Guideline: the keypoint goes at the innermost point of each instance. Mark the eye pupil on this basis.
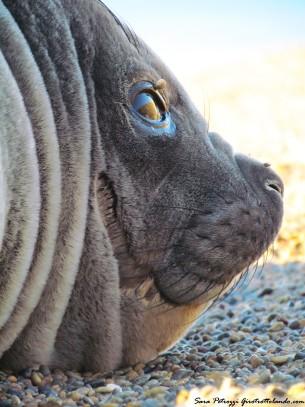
(149, 108)
(146, 106)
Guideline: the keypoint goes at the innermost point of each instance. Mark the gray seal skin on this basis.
(115, 233)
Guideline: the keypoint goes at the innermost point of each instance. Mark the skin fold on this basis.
(115, 234)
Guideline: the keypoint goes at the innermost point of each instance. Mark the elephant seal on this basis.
(121, 217)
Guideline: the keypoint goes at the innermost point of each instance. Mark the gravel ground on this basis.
(256, 336)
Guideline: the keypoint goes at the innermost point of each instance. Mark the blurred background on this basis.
(243, 64)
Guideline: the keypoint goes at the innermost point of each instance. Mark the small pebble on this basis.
(299, 355)
(266, 291)
(277, 326)
(132, 375)
(104, 389)
(109, 388)
(236, 338)
(155, 391)
(15, 401)
(295, 325)
(97, 383)
(256, 361)
(280, 360)
(36, 378)
(260, 378)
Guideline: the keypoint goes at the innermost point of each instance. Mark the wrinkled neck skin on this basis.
(152, 327)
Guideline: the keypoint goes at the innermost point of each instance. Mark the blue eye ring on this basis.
(142, 91)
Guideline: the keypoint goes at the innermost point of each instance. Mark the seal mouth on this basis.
(192, 291)
(200, 293)
(218, 247)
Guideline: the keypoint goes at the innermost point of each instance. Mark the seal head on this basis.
(193, 214)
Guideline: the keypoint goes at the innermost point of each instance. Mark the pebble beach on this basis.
(252, 342)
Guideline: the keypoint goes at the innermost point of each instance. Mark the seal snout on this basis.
(260, 177)
(228, 233)
(217, 246)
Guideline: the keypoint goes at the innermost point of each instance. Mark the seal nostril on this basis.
(274, 185)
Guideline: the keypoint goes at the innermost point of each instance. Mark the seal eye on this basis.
(147, 105)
